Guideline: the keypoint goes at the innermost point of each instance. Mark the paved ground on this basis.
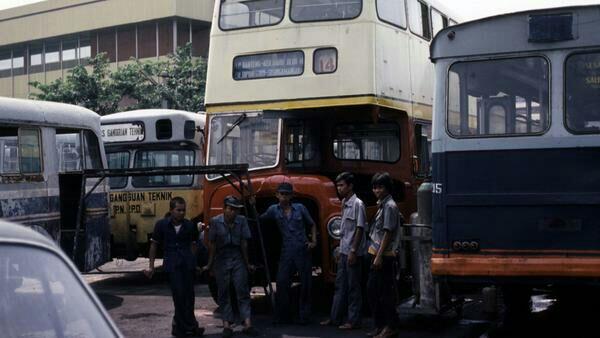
(143, 308)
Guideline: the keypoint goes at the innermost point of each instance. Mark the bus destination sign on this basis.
(260, 66)
(123, 132)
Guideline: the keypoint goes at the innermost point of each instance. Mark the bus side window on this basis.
(9, 153)
(68, 146)
(30, 154)
(93, 159)
(422, 167)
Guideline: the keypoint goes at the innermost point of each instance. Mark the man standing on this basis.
(292, 219)
(178, 237)
(347, 300)
(383, 242)
(228, 247)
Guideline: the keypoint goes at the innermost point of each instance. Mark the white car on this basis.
(42, 293)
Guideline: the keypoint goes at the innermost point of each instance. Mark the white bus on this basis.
(305, 89)
(38, 141)
(143, 139)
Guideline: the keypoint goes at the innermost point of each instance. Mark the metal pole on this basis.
(254, 215)
(80, 211)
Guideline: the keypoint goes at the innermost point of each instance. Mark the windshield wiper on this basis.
(235, 124)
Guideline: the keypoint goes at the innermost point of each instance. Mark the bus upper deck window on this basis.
(164, 130)
(324, 10)
(236, 14)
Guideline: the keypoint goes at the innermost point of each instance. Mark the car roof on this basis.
(11, 232)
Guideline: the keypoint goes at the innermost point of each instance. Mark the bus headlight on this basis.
(334, 227)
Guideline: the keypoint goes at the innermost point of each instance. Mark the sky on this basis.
(467, 9)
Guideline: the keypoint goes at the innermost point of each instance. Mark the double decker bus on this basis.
(302, 90)
(150, 138)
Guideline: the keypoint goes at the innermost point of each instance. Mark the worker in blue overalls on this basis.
(228, 237)
(178, 236)
(293, 220)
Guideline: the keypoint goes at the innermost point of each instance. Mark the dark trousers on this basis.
(182, 288)
(233, 271)
(292, 261)
(382, 298)
(347, 300)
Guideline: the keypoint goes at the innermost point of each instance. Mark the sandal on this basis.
(326, 322)
(348, 326)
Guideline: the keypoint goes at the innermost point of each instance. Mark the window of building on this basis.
(418, 18)
(200, 39)
(367, 142)
(392, 12)
(498, 97)
(582, 93)
(107, 44)
(165, 37)
(35, 58)
(5, 63)
(18, 61)
(52, 55)
(146, 40)
(438, 21)
(324, 10)
(85, 47)
(69, 53)
(126, 43)
(163, 158)
(118, 160)
(235, 14)
(183, 33)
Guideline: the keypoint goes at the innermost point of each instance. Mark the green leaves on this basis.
(179, 81)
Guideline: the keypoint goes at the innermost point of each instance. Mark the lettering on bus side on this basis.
(437, 188)
(148, 196)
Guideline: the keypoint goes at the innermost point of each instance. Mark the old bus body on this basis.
(143, 139)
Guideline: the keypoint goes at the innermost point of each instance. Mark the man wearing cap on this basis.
(178, 237)
(292, 219)
(228, 249)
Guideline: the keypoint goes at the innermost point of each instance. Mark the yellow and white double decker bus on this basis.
(148, 139)
(302, 90)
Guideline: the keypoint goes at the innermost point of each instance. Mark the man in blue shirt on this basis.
(178, 237)
(228, 252)
(292, 220)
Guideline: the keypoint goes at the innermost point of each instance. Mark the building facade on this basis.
(43, 41)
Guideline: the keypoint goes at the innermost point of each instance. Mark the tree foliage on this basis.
(179, 81)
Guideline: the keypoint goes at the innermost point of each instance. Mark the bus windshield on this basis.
(163, 158)
(251, 140)
(236, 14)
